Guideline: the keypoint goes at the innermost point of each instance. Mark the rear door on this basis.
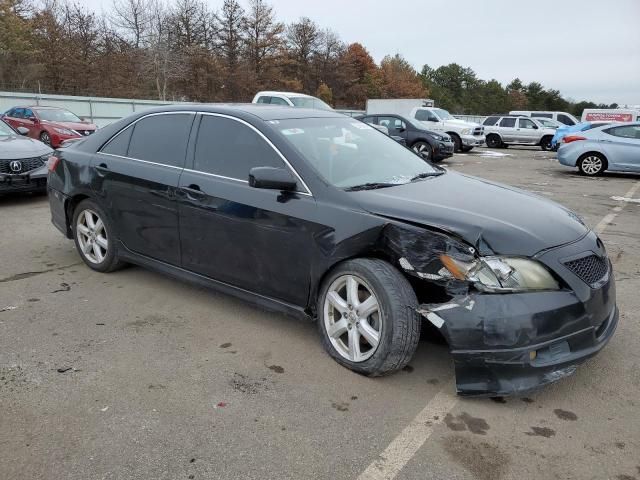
(507, 129)
(622, 147)
(14, 117)
(527, 131)
(136, 175)
(243, 236)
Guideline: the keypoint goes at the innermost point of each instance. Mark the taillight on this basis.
(52, 163)
(572, 138)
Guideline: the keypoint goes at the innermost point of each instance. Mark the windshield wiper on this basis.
(426, 174)
(370, 186)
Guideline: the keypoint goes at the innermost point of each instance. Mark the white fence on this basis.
(98, 110)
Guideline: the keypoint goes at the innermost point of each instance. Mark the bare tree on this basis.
(230, 40)
(134, 18)
(263, 35)
(303, 40)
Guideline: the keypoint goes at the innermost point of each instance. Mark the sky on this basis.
(587, 49)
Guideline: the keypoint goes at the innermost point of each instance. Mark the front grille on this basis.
(25, 164)
(590, 269)
(478, 131)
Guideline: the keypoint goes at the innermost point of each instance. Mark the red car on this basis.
(51, 125)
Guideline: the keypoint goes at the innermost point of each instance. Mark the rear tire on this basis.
(94, 236)
(493, 141)
(592, 164)
(545, 143)
(349, 324)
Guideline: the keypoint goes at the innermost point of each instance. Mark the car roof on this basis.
(38, 107)
(261, 111)
(288, 94)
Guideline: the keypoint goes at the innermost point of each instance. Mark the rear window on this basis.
(508, 122)
(161, 139)
(490, 121)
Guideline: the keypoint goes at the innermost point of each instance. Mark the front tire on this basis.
(423, 149)
(45, 138)
(94, 237)
(457, 143)
(367, 317)
(592, 164)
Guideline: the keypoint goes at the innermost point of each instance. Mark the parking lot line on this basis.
(389, 463)
(606, 221)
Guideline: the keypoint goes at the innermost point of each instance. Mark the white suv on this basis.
(505, 130)
(290, 99)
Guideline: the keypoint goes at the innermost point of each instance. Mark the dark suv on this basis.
(429, 145)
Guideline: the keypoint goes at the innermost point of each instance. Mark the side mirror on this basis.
(33, 119)
(272, 179)
(23, 130)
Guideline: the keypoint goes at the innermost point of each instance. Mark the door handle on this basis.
(102, 169)
(193, 192)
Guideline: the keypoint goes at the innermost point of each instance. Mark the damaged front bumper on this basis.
(508, 345)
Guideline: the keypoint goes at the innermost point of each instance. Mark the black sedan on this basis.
(22, 161)
(429, 145)
(322, 216)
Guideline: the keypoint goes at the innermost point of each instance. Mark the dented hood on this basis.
(496, 219)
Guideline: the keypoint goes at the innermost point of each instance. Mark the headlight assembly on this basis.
(466, 131)
(501, 274)
(65, 131)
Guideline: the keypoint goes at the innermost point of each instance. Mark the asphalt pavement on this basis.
(135, 375)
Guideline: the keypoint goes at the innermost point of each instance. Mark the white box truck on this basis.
(465, 135)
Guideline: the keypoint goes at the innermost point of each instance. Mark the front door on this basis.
(136, 175)
(623, 147)
(527, 131)
(255, 239)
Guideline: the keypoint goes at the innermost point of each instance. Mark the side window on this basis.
(526, 123)
(264, 99)
(425, 116)
(393, 124)
(18, 113)
(230, 149)
(28, 113)
(119, 144)
(278, 101)
(508, 122)
(564, 119)
(161, 139)
(542, 115)
(628, 131)
(490, 121)
(11, 113)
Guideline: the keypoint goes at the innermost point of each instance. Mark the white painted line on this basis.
(408, 442)
(610, 217)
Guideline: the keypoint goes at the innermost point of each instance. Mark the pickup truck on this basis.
(464, 135)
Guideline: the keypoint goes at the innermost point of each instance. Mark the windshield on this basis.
(349, 154)
(5, 130)
(443, 114)
(309, 102)
(57, 115)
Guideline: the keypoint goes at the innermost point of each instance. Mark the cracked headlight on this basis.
(501, 274)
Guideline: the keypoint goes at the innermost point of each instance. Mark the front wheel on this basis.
(423, 149)
(592, 164)
(457, 143)
(94, 237)
(367, 317)
(45, 138)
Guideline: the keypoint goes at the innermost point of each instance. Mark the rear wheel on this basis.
(94, 238)
(545, 143)
(45, 138)
(423, 149)
(592, 164)
(493, 141)
(466, 149)
(367, 317)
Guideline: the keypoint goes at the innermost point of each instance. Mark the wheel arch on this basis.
(594, 152)
(69, 207)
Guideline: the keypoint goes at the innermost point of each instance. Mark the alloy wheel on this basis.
(92, 236)
(45, 138)
(352, 318)
(423, 150)
(591, 165)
